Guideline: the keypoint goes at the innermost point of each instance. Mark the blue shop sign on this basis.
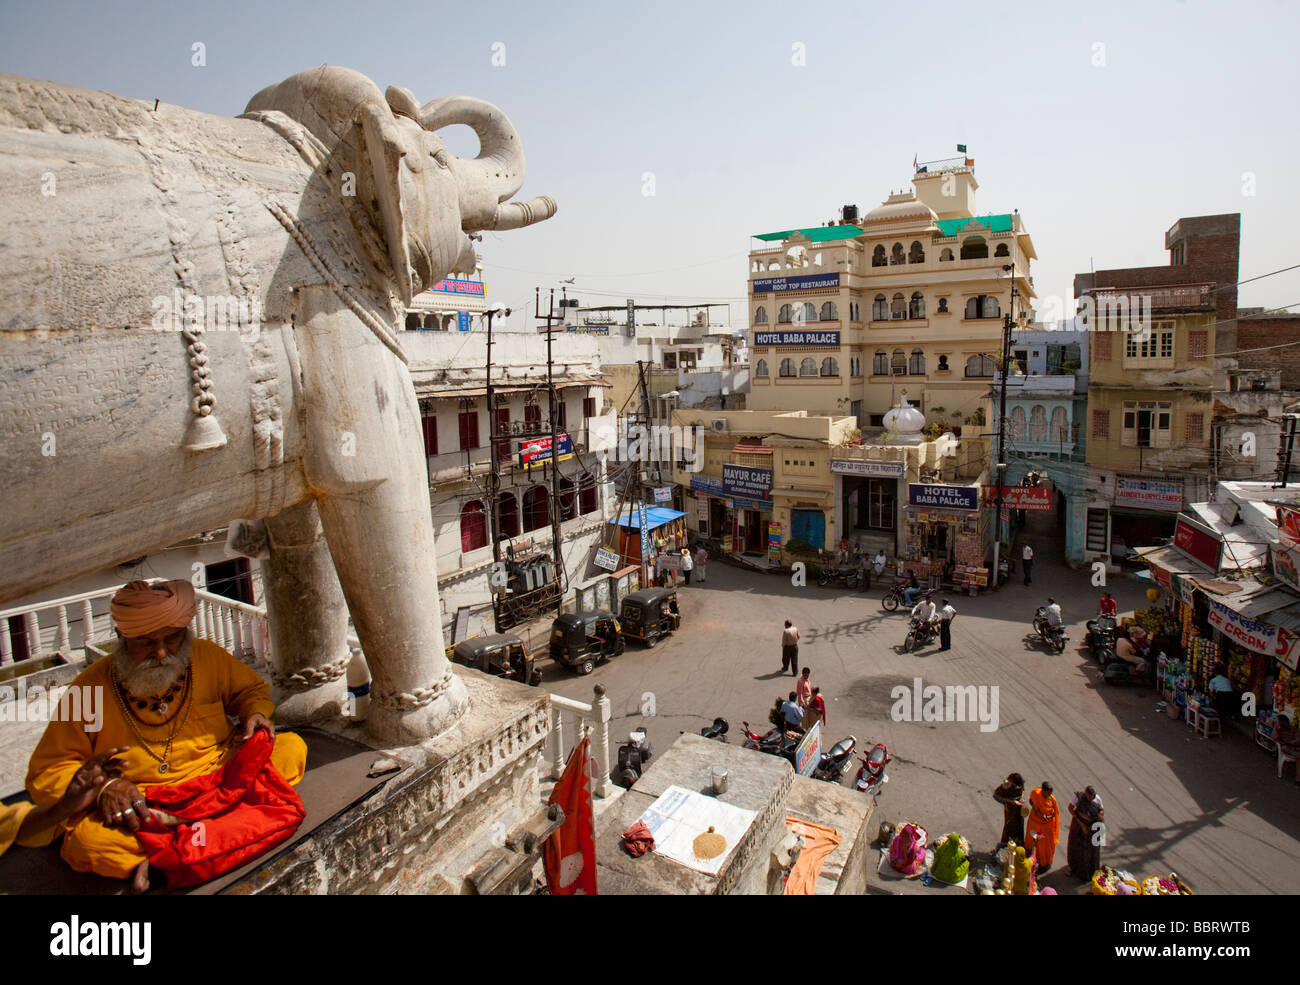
(806, 283)
(707, 484)
(943, 497)
(829, 340)
(737, 503)
(747, 481)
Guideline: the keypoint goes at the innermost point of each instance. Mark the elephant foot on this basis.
(409, 718)
(325, 701)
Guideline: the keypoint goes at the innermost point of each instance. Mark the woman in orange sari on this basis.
(1043, 828)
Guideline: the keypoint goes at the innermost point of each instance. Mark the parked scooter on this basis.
(772, 742)
(871, 774)
(832, 764)
(919, 633)
(1101, 638)
(632, 758)
(1053, 636)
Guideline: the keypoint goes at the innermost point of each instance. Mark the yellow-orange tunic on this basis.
(222, 686)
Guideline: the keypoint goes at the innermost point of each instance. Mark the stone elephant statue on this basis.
(200, 320)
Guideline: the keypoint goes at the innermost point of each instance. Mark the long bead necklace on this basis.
(179, 720)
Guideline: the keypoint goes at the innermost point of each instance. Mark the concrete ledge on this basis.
(845, 870)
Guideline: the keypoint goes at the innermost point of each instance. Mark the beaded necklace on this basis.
(179, 719)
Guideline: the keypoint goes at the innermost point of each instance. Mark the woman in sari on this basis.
(1083, 856)
(1043, 830)
(1011, 795)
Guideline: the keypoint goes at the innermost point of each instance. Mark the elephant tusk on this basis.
(515, 215)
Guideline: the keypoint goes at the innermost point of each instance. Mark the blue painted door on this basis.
(809, 526)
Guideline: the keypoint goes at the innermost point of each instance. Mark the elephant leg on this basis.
(309, 619)
(365, 461)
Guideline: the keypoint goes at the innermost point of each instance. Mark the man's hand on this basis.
(80, 794)
(122, 805)
(255, 722)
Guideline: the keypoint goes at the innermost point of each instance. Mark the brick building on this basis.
(1257, 329)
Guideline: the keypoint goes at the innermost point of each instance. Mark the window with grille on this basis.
(1150, 347)
(1101, 424)
(1195, 431)
(1198, 345)
(1101, 347)
(1147, 423)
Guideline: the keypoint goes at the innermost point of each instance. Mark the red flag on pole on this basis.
(570, 853)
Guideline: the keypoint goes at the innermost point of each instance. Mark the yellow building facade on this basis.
(912, 295)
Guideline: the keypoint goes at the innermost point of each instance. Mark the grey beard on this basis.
(150, 677)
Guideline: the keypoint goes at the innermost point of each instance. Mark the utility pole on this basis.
(999, 455)
(556, 548)
(1284, 453)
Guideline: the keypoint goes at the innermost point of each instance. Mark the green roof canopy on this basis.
(996, 224)
(817, 234)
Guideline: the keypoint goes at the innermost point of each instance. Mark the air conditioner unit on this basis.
(718, 424)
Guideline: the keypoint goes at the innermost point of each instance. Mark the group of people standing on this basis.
(1035, 822)
(805, 706)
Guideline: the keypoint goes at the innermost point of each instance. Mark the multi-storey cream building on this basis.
(910, 295)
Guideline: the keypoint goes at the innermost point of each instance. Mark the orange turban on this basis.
(140, 608)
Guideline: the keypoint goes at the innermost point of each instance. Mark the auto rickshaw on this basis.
(580, 639)
(502, 654)
(650, 615)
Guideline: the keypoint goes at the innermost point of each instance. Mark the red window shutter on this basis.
(469, 430)
(430, 426)
(1101, 346)
(473, 527)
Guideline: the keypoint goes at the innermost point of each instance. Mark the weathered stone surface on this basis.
(200, 323)
(845, 870)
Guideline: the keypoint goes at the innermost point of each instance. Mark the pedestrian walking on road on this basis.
(790, 648)
(803, 687)
(1043, 829)
(946, 615)
(687, 563)
(701, 560)
(1083, 854)
(1027, 561)
(1011, 795)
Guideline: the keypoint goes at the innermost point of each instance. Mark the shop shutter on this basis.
(809, 526)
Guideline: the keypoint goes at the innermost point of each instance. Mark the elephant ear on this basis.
(385, 150)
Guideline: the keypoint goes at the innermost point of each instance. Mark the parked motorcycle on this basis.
(846, 575)
(871, 774)
(632, 758)
(1053, 636)
(919, 633)
(1101, 638)
(772, 743)
(832, 764)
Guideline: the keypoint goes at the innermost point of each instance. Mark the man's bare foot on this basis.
(140, 882)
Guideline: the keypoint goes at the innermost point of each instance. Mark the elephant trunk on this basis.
(497, 172)
(515, 215)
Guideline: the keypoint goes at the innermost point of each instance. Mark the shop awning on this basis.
(751, 448)
(655, 516)
(1242, 546)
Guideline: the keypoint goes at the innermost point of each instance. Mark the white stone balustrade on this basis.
(563, 739)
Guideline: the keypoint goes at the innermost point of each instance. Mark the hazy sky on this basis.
(1101, 122)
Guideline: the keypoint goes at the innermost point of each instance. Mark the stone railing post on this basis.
(602, 714)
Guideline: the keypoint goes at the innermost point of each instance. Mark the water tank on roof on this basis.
(850, 213)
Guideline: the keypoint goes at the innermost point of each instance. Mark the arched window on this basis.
(898, 307)
(916, 365)
(568, 499)
(787, 368)
(587, 500)
(760, 315)
(829, 311)
(974, 248)
(430, 321)
(855, 311)
(879, 308)
(916, 309)
(508, 514)
(1002, 251)
(473, 527)
(1060, 429)
(537, 511)
(878, 257)
(1038, 423)
(412, 321)
(982, 365)
(809, 311)
(783, 317)
(943, 306)
(896, 256)
(1016, 422)
(830, 367)
(916, 254)
(898, 362)
(982, 306)
(808, 367)
(945, 255)
(880, 363)
(760, 368)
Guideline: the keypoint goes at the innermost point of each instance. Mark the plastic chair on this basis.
(1282, 760)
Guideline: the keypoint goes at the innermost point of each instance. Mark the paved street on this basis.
(1212, 810)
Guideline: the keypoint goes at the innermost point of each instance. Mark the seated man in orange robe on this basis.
(166, 695)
